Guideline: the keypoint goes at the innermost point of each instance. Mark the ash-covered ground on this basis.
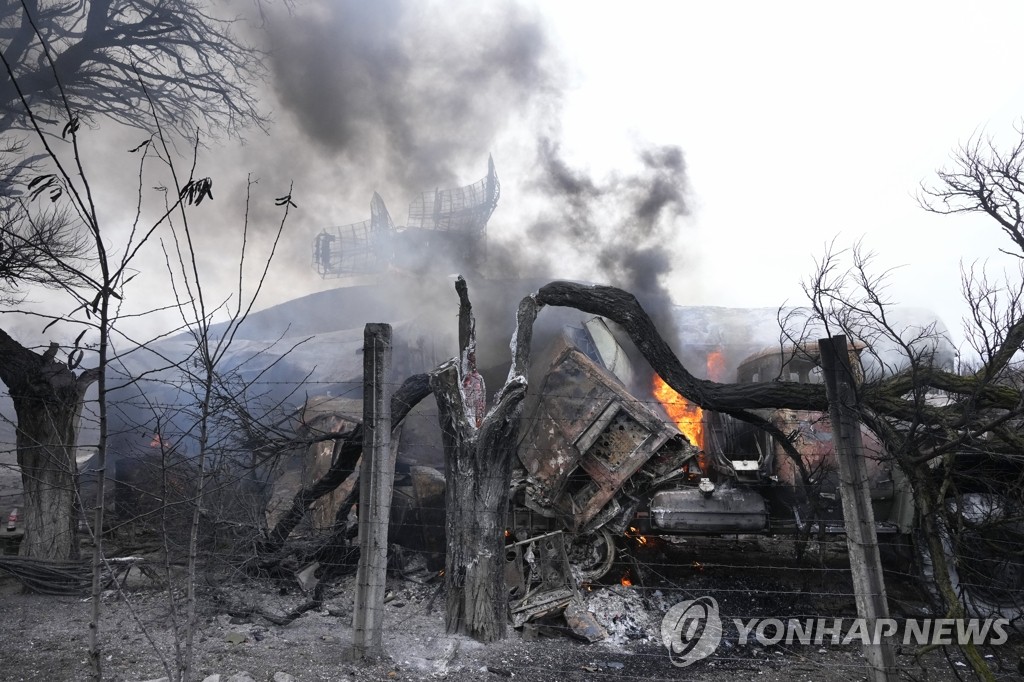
(46, 638)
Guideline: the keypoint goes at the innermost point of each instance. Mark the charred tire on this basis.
(591, 554)
(985, 555)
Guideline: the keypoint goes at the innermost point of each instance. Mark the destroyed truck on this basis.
(597, 460)
(599, 463)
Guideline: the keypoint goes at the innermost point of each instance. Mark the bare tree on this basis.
(983, 178)
(144, 63)
(205, 387)
(955, 446)
(91, 57)
(166, 64)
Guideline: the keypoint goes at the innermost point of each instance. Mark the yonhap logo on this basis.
(691, 631)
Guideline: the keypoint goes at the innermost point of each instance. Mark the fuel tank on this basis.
(723, 509)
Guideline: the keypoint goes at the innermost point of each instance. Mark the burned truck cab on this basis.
(608, 448)
(592, 451)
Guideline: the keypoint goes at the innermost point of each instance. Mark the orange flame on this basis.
(716, 365)
(633, 533)
(687, 416)
(625, 581)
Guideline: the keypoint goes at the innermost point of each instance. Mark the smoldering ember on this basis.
(366, 508)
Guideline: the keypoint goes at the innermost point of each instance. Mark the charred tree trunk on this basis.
(479, 453)
(48, 398)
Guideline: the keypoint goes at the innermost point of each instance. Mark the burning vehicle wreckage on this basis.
(600, 464)
(597, 463)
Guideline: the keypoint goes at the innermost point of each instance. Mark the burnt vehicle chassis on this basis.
(599, 464)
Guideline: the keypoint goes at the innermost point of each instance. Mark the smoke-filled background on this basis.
(405, 97)
(692, 154)
(399, 98)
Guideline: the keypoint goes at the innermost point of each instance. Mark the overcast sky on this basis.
(711, 149)
(799, 122)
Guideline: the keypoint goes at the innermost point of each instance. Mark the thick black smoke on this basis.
(404, 96)
(407, 91)
(618, 230)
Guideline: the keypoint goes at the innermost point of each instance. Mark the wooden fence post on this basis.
(865, 561)
(376, 480)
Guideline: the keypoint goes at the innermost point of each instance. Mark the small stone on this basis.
(243, 676)
(212, 678)
(283, 677)
(235, 638)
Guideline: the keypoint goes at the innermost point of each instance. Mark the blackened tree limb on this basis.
(623, 308)
(520, 343)
(347, 450)
(467, 323)
(733, 399)
(474, 391)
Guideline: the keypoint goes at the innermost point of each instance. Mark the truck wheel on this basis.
(591, 555)
(985, 555)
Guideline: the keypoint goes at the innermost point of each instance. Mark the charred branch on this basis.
(623, 308)
(347, 450)
(733, 399)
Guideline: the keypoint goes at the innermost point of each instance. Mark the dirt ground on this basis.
(46, 638)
